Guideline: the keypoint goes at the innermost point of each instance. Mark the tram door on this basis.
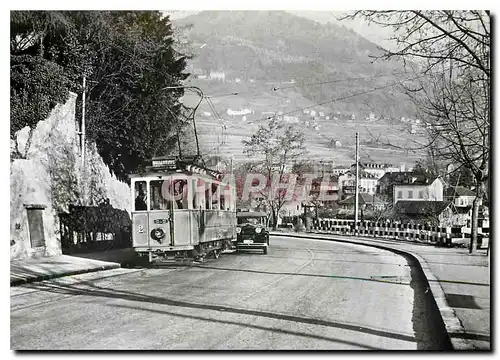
(140, 215)
(174, 200)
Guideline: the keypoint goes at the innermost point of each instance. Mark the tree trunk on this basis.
(28, 143)
(275, 220)
(475, 213)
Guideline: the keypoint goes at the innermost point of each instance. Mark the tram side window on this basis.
(228, 197)
(208, 197)
(194, 200)
(222, 197)
(215, 196)
(158, 201)
(199, 191)
(166, 195)
(180, 192)
(225, 197)
(140, 196)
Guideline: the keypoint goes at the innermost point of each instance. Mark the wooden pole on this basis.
(356, 209)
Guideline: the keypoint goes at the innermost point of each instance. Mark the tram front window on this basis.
(166, 195)
(140, 196)
(158, 202)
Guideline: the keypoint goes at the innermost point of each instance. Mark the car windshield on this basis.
(250, 220)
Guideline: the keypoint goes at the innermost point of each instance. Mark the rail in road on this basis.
(302, 295)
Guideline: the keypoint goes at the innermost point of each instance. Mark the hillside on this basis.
(276, 46)
(274, 62)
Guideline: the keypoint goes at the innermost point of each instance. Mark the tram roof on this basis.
(167, 166)
(166, 174)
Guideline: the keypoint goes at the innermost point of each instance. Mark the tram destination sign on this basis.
(165, 163)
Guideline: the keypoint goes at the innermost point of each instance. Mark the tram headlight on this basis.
(238, 230)
(258, 230)
(158, 234)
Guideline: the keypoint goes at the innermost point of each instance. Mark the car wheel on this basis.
(265, 250)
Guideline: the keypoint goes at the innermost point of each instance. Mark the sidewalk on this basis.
(459, 282)
(44, 268)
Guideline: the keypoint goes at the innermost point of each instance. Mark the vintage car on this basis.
(251, 231)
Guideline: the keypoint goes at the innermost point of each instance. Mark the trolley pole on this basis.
(356, 190)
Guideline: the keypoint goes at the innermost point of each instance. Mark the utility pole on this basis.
(83, 124)
(356, 190)
(82, 144)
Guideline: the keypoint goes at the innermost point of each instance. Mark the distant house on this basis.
(339, 170)
(365, 201)
(376, 169)
(217, 75)
(368, 206)
(406, 185)
(238, 112)
(460, 196)
(291, 119)
(321, 192)
(434, 213)
(347, 181)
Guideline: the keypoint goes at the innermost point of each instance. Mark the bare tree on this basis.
(276, 147)
(451, 50)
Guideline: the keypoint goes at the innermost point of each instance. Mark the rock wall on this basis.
(50, 173)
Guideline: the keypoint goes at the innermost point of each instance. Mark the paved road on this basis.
(304, 294)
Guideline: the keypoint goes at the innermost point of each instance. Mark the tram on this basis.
(181, 210)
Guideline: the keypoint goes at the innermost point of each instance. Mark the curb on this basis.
(32, 279)
(451, 322)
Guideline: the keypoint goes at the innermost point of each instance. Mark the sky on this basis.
(374, 33)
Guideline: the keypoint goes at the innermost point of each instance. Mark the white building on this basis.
(460, 196)
(376, 169)
(407, 185)
(217, 75)
(367, 183)
(238, 112)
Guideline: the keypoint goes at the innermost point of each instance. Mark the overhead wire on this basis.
(208, 97)
(341, 98)
(299, 85)
(220, 140)
(211, 105)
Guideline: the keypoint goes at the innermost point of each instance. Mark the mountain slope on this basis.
(274, 62)
(276, 46)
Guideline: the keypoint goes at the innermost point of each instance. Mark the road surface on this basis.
(304, 294)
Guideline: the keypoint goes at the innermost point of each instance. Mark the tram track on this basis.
(265, 305)
(278, 279)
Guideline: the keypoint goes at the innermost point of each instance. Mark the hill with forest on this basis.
(257, 63)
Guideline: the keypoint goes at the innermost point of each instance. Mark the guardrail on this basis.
(445, 236)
